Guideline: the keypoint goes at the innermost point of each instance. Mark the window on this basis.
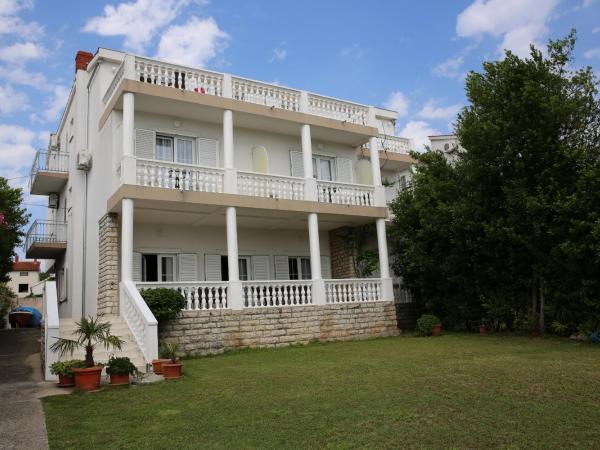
(23, 274)
(158, 267)
(323, 168)
(243, 268)
(299, 268)
(23, 287)
(185, 151)
(164, 148)
(177, 149)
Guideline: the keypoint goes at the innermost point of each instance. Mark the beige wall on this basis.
(32, 277)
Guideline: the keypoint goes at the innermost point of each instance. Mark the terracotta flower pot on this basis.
(119, 378)
(66, 381)
(482, 330)
(88, 378)
(157, 365)
(172, 371)
(437, 329)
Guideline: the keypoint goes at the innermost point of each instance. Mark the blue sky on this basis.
(407, 55)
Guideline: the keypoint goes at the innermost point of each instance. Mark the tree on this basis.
(497, 229)
(12, 221)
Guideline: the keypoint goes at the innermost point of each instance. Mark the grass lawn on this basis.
(455, 391)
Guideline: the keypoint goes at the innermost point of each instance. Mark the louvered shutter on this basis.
(144, 143)
(136, 266)
(282, 268)
(208, 152)
(212, 267)
(296, 164)
(260, 267)
(343, 168)
(325, 267)
(188, 267)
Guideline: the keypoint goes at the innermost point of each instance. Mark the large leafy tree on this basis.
(516, 218)
(12, 220)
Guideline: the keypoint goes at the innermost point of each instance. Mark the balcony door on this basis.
(158, 267)
(175, 149)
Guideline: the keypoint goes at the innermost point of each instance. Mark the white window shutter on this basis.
(260, 267)
(188, 267)
(282, 268)
(343, 168)
(325, 267)
(208, 152)
(144, 143)
(136, 266)
(296, 164)
(212, 267)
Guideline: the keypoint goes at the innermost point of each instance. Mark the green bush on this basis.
(7, 302)
(169, 350)
(121, 365)
(65, 368)
(425, 324)
(164, 303)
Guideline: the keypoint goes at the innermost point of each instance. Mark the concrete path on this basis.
(22, 423)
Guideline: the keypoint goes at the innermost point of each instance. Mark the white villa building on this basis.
(230, 190)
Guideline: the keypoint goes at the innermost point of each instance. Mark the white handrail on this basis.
(270, 186)
(270, 293)
(139, 318)
(51, 327)
(197, 294)
(187, 177)
(345, 193)
(352, 290)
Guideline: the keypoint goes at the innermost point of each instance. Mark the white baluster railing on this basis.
(265, 94)
(140, 320)
(179, 77)
(265, 294)
(186, 177)
(337, 109)
(114, 83)
(345, 193)
(392, 144)
(353, 290)
(198, 295)
(51, 327)
(270, 186)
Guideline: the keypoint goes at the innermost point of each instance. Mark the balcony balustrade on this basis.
(49, 172)
(46, 239)
(393, 144)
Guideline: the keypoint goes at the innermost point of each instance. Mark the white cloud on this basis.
(398, 102)
(519, 22)
(16, 148)
(279, 53)
(451, 68)
(596, 30)
(194, 43)
(54, 104)
(21, 52)
(419, 131)
(12, 101)
(137, 21)
(11, 23)
(431, 110)
(18, 75)
(354, 51)
(592, 53)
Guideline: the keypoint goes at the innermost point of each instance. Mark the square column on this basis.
(318, 286)
(228, 157)
(310, 184)
(126, 239)
(234, 290)
(128, 159)
(387, 291)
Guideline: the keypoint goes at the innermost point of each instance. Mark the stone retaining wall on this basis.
(108, 264)
(206, 332)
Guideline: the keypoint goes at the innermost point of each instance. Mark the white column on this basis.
(128, 160)
(234, 294)
(318, 286)
(310, 184)
(126, 239)
(228, 157)
(387, 291)
(376, 172)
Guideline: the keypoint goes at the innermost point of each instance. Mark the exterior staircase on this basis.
(101, 354)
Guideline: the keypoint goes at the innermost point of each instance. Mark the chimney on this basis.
(82, 59)
(16, 258)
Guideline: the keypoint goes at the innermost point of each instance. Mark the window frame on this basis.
(23, 288)
(159, 271)
(175, 139)
(301, 275)
(316, 167)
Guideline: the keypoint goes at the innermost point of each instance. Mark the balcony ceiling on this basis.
(46, 250)
(44, 183)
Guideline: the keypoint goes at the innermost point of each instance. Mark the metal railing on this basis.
(46, 231)
(46, 161)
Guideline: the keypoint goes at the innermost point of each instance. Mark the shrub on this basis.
(426, 324)
(164, 303)
(7, 302)
(121, 365)
(595, 337)
(65, 368)
(169, 350)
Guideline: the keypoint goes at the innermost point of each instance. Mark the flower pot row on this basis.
(167, 368)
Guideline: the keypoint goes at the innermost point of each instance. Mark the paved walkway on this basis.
(22, 424)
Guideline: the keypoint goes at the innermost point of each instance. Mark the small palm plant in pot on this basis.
(171, 369)
(120, 368)
(89, 332)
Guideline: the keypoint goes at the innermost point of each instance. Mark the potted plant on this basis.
(165, 305)
(158, 363)
(483, 327)
(89, 332)
(171, 369)
(428, 325)
(64, 370)
(120, 368)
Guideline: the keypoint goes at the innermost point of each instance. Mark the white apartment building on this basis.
(224, 188)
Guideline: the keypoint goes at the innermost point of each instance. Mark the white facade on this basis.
(204, 169)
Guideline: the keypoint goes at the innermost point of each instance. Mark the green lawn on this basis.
(456, 391)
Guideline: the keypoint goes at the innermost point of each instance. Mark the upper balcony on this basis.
(46, 239)
(393, 152)
(49, 172)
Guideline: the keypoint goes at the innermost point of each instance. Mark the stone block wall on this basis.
(342, 253)
(108, 264)
(209, 332)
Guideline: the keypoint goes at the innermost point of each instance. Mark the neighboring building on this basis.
(23, 277)
(447, 144)
(227, 189)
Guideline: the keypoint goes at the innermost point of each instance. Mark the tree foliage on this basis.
(12, 221)
(512, 227)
